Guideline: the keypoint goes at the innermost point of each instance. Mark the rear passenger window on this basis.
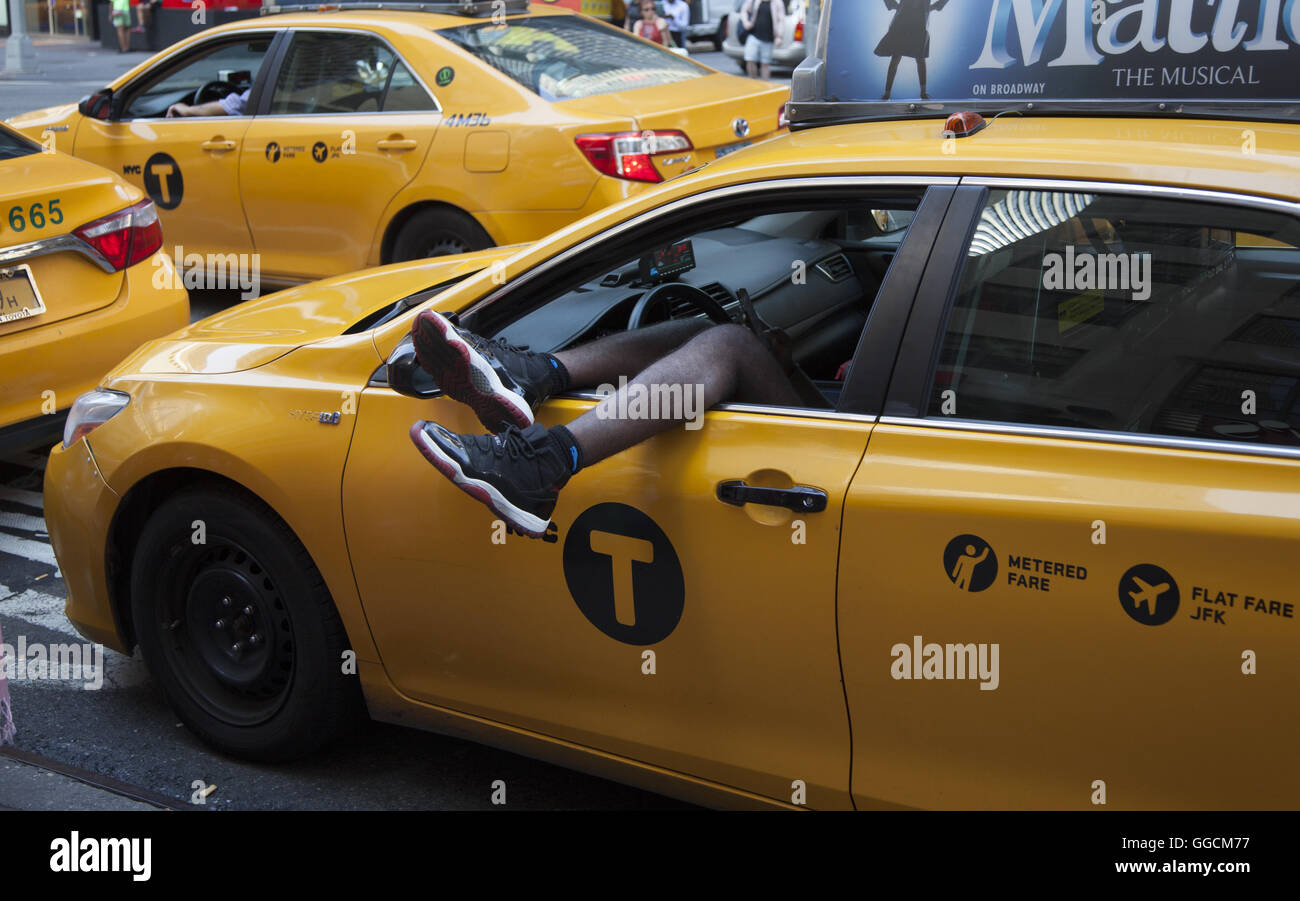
(1127, 313)
(345, 73)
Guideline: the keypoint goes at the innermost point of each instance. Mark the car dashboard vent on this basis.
(682, 309)
(836, 269)
(719, 293)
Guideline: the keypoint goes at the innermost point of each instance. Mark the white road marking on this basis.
(22, 521)
(46, 612)
(38, 609)
(35, 551)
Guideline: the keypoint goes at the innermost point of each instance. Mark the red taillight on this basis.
(783, 117)
(127, 236)
(630, 154)
(798, 32)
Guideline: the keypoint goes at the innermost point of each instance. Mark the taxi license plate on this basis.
(731, 148)
(19, 298)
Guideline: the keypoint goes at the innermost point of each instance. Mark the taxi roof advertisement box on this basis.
(994, 51)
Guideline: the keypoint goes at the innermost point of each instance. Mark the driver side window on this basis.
(809, 269)
(209, 74)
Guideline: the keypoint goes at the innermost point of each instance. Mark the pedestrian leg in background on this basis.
(121, 17)
(751, 56)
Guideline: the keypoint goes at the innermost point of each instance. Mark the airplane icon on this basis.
(1148, 594)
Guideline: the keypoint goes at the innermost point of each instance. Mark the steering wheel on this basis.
(660, 294)
(214, 90)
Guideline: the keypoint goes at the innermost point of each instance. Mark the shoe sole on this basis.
(483, 492)
(465, 375)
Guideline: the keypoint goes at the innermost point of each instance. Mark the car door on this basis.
(1074, 528)
(678, 616)
(189, 166)
(346, 124)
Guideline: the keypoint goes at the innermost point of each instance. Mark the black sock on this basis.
(567, 447)
(559, 375)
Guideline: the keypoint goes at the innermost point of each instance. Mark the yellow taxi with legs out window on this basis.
(79, 255)
(941, 453)
(327, 139)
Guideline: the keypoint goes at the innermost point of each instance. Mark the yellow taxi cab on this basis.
(340, 137)
(79, 255)
(1068, 441)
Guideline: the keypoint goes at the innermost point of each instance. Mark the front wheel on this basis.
(238, 628)
(438, 232)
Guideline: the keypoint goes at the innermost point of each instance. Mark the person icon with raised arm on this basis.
(965, 568)
(908, 35)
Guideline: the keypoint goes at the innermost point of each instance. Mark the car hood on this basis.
(262, 330)
(49, 115)
(33, 124)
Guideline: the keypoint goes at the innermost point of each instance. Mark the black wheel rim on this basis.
(444, 244)
(226, 632)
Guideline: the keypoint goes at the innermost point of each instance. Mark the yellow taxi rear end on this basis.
(496, 132)
(79, 255)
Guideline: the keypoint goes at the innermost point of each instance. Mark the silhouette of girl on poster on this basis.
(908, 35)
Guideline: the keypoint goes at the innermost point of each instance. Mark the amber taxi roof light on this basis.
(963, 125)
(915, 58)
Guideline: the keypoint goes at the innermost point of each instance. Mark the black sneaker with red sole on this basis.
(518, 474)
(501, 383)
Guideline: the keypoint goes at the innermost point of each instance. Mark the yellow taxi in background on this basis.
(79, 252)
(370, 135)
(1033, 548)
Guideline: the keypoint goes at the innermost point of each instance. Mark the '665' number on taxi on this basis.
(36, 215)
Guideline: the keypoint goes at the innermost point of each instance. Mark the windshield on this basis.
(565, 57)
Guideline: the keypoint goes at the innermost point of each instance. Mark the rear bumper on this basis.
(79, 507)
(49, 366)
(704, 30)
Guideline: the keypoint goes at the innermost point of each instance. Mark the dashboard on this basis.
(810, 287)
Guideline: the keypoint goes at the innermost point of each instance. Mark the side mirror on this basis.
(405, 376)
(97, 105)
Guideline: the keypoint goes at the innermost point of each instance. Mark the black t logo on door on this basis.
(163, 182)
(624, 574)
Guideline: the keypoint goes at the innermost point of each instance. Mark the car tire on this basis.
(214, 567)
(438, 232)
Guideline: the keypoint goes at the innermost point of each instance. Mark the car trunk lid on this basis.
(45, 274)
(719, 113)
